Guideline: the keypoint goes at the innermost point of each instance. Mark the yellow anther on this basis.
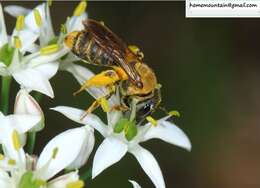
(174, 113)
(19, 23)
(17, 42)
(49, 49)
(37, 17)
(75, 184)
(16, 140)
(11, 162)
(151, 120)
(55, 152)
(63, 29)
(104, 104)
(80, 8)
(49, 2)
(2, 157)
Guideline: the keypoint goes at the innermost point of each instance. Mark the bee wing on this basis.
(112, 45)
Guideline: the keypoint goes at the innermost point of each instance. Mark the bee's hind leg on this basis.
(105, 78)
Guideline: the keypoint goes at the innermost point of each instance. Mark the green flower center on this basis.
(6, 54)
(129, 128)
(28, 181)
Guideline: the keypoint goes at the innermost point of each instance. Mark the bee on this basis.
(96, 44)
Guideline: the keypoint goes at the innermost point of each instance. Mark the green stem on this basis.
(86, 175)
(6, 82)
(30, 142)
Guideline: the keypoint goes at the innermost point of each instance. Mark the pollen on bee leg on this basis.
(104, 104)
(80, 8)
(16, 140)
(75, 184)
(19, 23)
(151, 120)
(37, 17)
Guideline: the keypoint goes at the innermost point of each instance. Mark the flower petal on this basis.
(47, 69)
(62, 181)
(108, 153)
(135, 184)
(30, 19)
(87, 148)
(66, 147)
(34, 80)
(27, 38)
(76, 115)
(3, 34)
(23, 123)
(75, 22)
(3, 69)
(170, 133)
(5, 180)
(27, 105)
(149, 165)
(16, 11)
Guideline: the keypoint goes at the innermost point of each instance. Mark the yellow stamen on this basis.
(174, 113)
(17, 42)
(49, 49)
(49, 2)
(2, 157)
(37, 17)
(19, 23)
(151, 120)
(11, 162)
(55, 152)
(16, 140)
(75, 184)
(80, 8)
(104, 104)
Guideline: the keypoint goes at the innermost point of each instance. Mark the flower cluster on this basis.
(32, 55)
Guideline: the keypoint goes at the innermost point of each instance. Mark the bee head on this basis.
(70, 38)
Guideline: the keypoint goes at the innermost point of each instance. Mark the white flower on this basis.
(135, 184)
(21, 170)
(31, 71)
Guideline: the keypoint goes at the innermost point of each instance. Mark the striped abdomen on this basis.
(87, 49)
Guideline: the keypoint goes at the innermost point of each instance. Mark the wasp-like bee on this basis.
(137, 83)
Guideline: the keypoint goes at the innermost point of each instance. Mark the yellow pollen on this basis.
(19, 23)
(80, 8)
(174, 113)
(75, 184)
(49, 49)
(16, 140)
(11, 162)
(104, 104)
(2, 157)
(55, 152)
(151, 120)
(17, 42)
(37, 17)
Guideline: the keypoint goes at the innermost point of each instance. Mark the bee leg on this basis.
(105, 78)
(90, 109)
(99, 102)
(119, 107)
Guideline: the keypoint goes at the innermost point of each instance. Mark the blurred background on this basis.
(209, 70)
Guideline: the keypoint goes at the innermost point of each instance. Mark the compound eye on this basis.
(139, 85)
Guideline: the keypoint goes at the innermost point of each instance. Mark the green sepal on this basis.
(28, 181)
(6, 54)
(120, 125)
(130, 130)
